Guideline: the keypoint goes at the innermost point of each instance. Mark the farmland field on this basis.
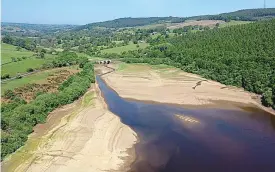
(129, 47)
(21, 66)
(9, 51)
(14, 68)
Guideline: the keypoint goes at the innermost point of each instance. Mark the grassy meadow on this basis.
(8, 51)
(14, 68)
(129, 47)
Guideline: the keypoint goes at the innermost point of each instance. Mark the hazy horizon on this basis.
(81, 12)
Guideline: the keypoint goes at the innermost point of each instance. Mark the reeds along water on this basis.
(198, 139)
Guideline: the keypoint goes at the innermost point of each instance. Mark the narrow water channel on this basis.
(177, 139)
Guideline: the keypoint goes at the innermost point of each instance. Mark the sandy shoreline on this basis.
(86, 139)
(173, 86)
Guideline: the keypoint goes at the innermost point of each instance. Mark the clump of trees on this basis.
(18, 117)
(242, 56)
(66, 58)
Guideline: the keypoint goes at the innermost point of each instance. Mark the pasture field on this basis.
(8, 51)
(21, 66)
(91, 58)
(129, 47)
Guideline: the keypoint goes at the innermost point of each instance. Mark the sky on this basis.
(89, 11)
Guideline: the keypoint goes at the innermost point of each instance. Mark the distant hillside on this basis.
(245, 15)
(21, 29)
(132, 22)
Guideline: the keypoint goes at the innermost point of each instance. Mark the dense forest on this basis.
(241, 55)
(19, 117)
(245, 15)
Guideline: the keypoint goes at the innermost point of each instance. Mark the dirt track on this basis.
(86, 139)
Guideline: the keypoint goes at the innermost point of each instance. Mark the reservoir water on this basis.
(177, 139)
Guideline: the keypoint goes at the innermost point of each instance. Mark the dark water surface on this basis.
(219, 140)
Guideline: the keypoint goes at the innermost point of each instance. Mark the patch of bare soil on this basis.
(209, 23)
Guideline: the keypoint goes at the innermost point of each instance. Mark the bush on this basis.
(13, 59)
(30, 70)
(18, 76)
(267, 97)
(5, 76)
(9, 94)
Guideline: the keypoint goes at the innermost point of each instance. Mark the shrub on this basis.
(13, 59)
(9, 94)
(18, 76)
(5, 76)
(30, 70)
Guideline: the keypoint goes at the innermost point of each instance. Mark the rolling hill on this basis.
(243, 15)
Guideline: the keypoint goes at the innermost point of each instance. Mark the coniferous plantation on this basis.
(242, 56)
(19, 117)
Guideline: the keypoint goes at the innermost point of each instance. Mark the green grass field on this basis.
(129, 47)
(21, 66)
(91, 58)
(14, 68)
(8, 51)
(40, 76)
(233, 22)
